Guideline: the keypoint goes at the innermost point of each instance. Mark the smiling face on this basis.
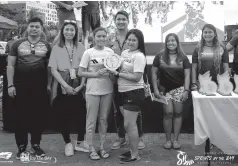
(69, 32)
(132, 42)
(208, 35)
(121, 22)
(34, 29)
(171, 43)
(100, 38)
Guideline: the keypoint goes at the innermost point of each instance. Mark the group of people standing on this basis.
(34, 68)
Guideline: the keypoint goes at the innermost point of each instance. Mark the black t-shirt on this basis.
(170, 76)
(234, 43)
(63, 9)
(30, 69)
(92, 7)
(207, 61)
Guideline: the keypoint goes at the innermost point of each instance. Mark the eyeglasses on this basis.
(70, 21)
(33, 51)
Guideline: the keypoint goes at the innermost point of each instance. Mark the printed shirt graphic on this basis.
(170, 76)
(93, 61)
(132, 62)
(207, 60)
(30, 69)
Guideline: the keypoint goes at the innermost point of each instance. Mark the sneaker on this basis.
(82, 147)
(141, 145)
(38, 151)
(69, 149)
(168, 145)
(118, 144)
(129, 159)
(176, 145)
(21, 150)
(125, 155)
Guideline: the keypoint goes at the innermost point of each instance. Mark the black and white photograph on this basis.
(110, 83)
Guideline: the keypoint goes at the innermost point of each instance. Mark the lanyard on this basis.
(119, 44)
(70, 56)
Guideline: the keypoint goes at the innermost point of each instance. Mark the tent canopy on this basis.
(6, 23)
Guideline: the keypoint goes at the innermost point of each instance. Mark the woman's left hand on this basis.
(185, 96)
(78, 89)
(114, 72)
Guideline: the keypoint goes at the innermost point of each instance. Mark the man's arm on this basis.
(229, 47)
(232, 43)
(62, 4)
(11, 69)
(104, 13)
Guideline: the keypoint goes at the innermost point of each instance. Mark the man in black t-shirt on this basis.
(233, 44)
(27, 83)
(91, 18)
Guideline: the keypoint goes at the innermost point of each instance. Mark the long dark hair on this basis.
(179, 50)
(217, 48)
(76, 36)
(140, 37)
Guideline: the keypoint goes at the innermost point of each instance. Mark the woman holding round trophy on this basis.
(209, 58)
(99, 90)
(131, 88)
(172, 67)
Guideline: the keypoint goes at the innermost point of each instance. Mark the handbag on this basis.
(147, 89)
(147, 86)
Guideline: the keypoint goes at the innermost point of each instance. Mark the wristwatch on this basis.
(117, 75)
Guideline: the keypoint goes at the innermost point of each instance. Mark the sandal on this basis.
(104, 154)
(176, 145)
(168, 145)
(94, 156)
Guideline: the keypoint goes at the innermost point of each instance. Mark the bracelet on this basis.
(10, 86)
(194, 84)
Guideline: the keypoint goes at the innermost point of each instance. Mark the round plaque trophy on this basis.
(112, 62)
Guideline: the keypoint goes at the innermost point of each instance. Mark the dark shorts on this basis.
(90, 20)
(133, 100)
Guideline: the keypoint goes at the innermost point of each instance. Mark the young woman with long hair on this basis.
(64, 63)
(131, 88)
(173, 68)
(209, 55)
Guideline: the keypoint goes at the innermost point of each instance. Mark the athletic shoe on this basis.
(129, 159)
(37, 150)
(21, 149)
(69, 149)
(118, 144)
(141, 145)
(82, 147)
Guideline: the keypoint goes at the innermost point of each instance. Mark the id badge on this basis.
(72, 74)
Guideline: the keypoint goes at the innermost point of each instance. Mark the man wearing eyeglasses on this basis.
(27, 84)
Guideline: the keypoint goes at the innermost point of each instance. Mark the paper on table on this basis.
(162, 99)
(79, 4)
